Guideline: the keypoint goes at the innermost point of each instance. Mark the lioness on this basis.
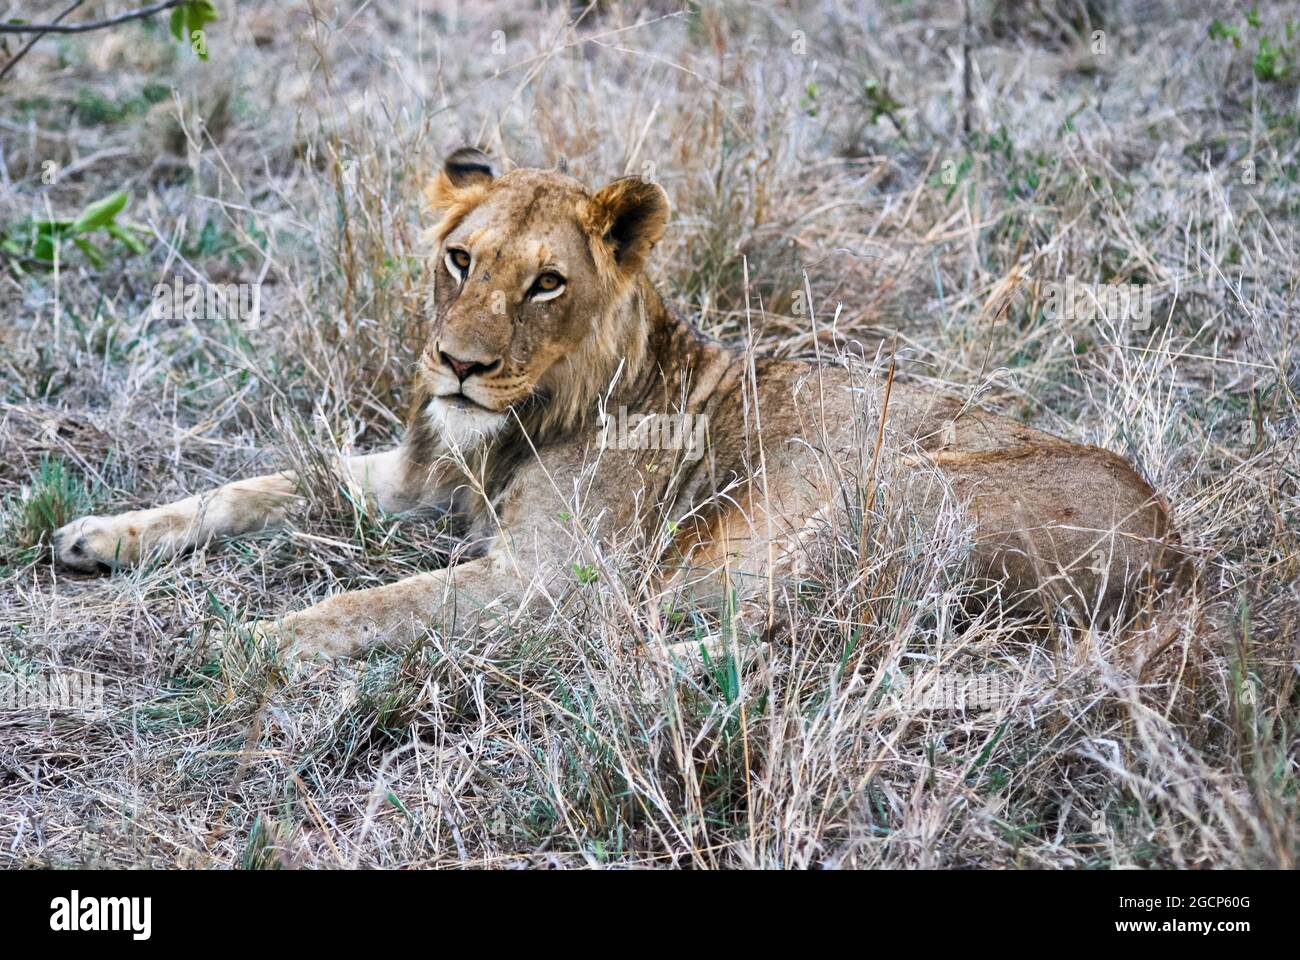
(546, 331)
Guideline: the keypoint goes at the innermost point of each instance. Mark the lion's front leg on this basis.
(102, 543)
(530, 561)
(93, 544)
(455, 599)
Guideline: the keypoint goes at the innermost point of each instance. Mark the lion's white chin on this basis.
(463, 426)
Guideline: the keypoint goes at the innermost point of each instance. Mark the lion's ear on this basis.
(629, 217)
(466, 170)
(468, 165)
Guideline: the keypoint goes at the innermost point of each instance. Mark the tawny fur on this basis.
(512, 449)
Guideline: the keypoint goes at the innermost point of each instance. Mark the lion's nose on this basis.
(465, 369)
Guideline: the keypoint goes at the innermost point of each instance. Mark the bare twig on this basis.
(965, 72)
(32, 42)
(56, 27)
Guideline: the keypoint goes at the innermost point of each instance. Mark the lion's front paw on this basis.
(269, 635)
(94, 545)
(298, 635)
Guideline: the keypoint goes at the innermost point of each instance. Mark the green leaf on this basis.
(127, 237)
(198, 13)
(49, 232)
(100, 213)
(983, 758)
(44, 247)
(91, 251)
(189, 18)
(1270, 63)
(1221, 31)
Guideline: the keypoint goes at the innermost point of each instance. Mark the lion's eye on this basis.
(458, 262)
(548, 286)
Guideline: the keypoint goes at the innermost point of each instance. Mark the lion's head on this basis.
(535, 292)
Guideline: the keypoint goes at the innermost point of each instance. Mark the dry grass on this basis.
(296, 156)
